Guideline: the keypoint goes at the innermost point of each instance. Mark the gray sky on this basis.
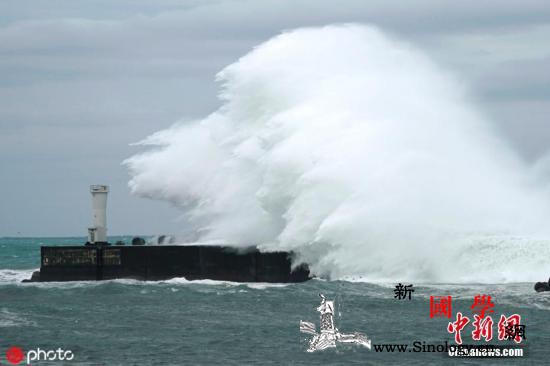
(81, 80)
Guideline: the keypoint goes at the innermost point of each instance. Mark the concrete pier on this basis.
(152, 262)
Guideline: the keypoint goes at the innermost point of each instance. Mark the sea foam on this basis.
(360, 154)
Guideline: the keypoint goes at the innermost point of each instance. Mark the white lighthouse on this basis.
(98, 233)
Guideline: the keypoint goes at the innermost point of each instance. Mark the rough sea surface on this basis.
(178, 322)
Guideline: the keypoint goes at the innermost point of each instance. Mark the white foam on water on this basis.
(357, 152)
(15, 276)
(11, 319)
(253, 285)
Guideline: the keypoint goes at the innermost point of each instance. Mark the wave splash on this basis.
(357, 152)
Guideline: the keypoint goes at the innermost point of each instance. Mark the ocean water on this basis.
(180, 322)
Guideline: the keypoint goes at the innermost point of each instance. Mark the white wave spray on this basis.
(358, 153)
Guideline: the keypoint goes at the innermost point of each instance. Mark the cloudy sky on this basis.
(81, 80)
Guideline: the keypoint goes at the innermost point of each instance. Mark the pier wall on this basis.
(80, 263)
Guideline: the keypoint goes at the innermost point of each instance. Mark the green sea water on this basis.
(180, 322)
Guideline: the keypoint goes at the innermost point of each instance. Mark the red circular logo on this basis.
(14, 355)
